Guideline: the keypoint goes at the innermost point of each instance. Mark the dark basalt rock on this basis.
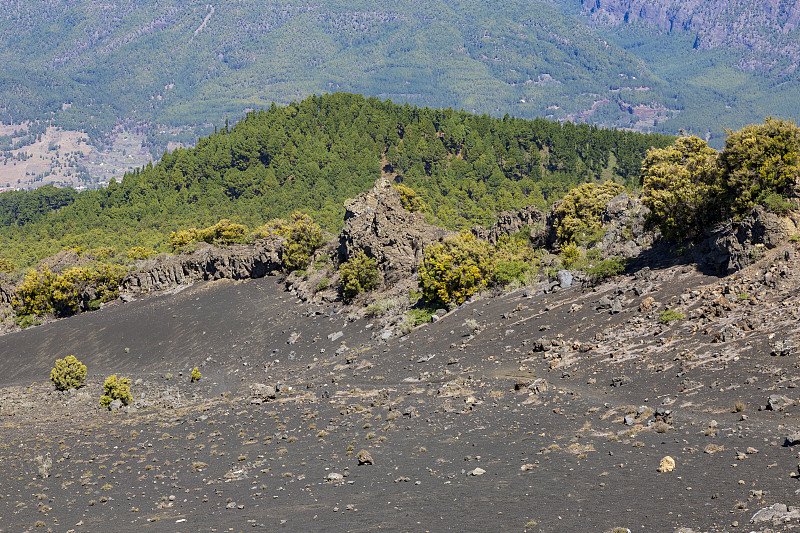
(208, 263)
(377, 223)
(539, 225)
(734, 246)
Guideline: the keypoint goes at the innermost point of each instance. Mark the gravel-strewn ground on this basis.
(524, 412)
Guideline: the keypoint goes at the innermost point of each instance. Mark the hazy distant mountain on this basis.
(764, 32)
(186, 62)
(701, 66)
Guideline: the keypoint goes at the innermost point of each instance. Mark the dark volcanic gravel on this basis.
(547, 412)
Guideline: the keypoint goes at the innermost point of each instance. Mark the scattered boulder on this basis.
(778, 402)
(624, 222)
(334, 477)
(783, 348)
(6, 291)
(647, 304)
(539, 227)
(564, 278)
(663, 415)
(734, 246)
(792, 439)
(538, 386)
(776, 511)
(114, 405)
(477, 472)
(260, 393)
(364, 458)
(667, 464)
(619, 381)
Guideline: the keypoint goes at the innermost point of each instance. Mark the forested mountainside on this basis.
(315, 154)
(90, 64)
(728, 62)
(136, 77)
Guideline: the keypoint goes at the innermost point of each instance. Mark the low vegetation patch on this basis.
(69, 373)
(689, 186)
(670, 315)
(69, 292)
(223, 232)
(116, 389)
(578, 216)
(359, 274)
(463, 265)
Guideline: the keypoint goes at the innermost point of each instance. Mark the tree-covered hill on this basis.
(315, 154)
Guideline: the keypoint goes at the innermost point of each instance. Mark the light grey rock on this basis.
(792, 439)
(777, 511)
(778, 402)
(260, 393)
(565, 278)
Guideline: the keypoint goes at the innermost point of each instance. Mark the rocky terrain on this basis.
(663, 399)
(766, 30)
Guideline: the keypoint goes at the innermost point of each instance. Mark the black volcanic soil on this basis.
(508, 413)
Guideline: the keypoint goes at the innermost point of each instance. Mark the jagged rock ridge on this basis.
(377, 223)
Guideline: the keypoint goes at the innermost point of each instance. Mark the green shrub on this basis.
(43, 292)
(116, 389)
(196, 375)
(179, 239)
(681, 184)
(415, 317)
(69, 373)
(775, 202)
(758, 158)
(453, 271)
(322, 260)
(33, 297)
(303, 236)
(689, 186)
(570, 254)
(223, 232)
(26, 321)
(607, 268)
(323, 284)
(506, 272)
(7, 266)
(669, 315)
(273, 227)
(578, 215)
(409, 198)
(380, 307)
(103, 253)
(139, 252)
(357, 275)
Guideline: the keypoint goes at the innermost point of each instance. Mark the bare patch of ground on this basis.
(530, 411)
